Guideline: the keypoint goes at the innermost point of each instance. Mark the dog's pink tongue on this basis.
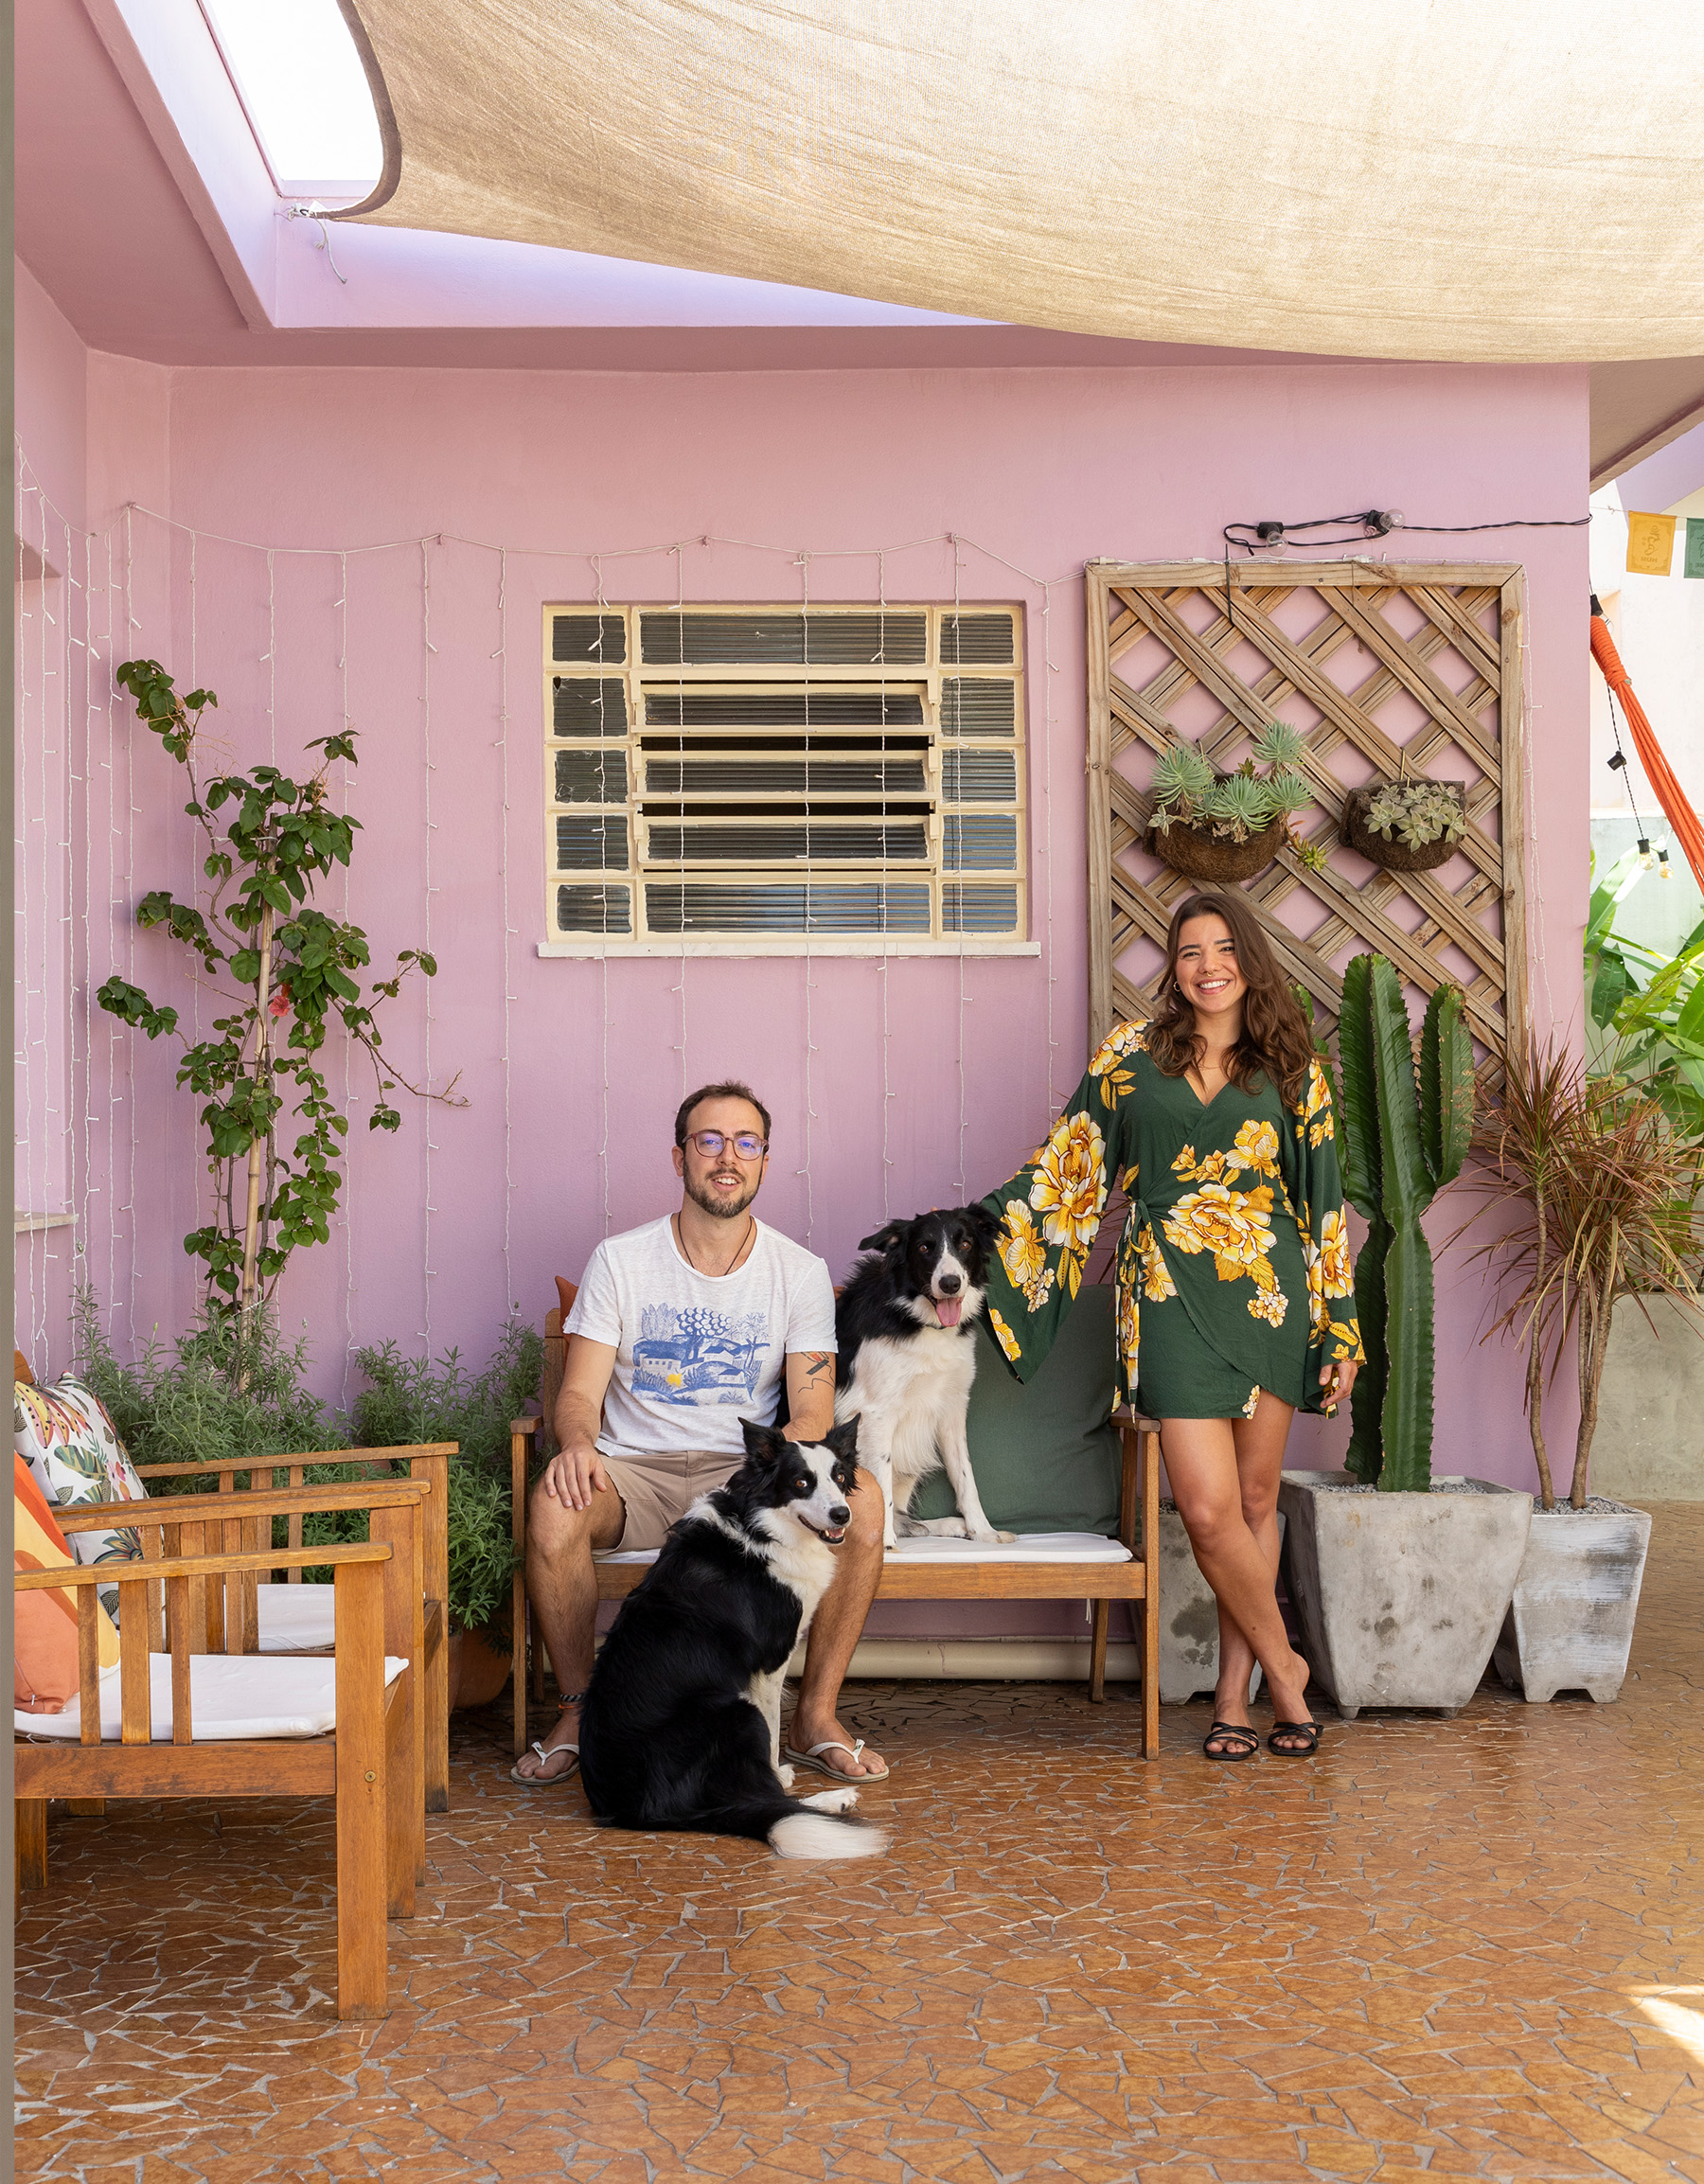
(949, 1309)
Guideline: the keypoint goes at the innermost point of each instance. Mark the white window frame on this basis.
(644, 806)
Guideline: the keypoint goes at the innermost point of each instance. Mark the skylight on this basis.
(305, 92)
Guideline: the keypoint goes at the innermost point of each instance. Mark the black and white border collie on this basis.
(906, 1330)
(681, 1727)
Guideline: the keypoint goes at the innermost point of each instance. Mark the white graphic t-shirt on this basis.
(697, 1353)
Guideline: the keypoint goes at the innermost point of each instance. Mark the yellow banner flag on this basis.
(1650, 544)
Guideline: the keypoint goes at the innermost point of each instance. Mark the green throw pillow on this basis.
(1046, 1455)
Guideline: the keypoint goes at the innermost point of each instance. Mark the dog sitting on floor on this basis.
(905, 1329)
(681, 1727)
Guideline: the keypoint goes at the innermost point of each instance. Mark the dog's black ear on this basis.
(885, 1240)
(983, 1226)
(763, 1443)
(842, 1439)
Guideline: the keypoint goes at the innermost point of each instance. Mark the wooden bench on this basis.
(363, 1761)
(920, 1569)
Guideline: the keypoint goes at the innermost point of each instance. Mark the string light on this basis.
(500, 656)
(429, 891)
(349, 1044)
(958, 659)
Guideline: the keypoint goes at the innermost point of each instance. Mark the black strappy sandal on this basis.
(1311, 1729)
(1247, 1741)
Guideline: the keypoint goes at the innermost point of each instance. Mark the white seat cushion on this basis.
(297, 1618)
(239, 1694)
(1033, 1547)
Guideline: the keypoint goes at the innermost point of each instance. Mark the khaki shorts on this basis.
(656, 1490)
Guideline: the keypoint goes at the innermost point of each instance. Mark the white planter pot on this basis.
(1401, 1596)
(1189, 1646)
(1571, 1622)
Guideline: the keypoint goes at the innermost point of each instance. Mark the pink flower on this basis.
(279, 1003)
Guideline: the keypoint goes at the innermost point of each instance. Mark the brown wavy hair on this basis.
(1277, 1040)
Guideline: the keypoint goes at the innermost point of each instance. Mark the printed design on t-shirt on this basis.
(698, 1354)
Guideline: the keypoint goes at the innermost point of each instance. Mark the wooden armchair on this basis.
(363, 1761)
(921, 1570)
(241, 1524)
(426, 1460)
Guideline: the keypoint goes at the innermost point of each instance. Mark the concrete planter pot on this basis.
(1401, 1596)
(1189, 1646)
(1571, 1622)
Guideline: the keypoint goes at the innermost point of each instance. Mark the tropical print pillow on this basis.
(65, 1434)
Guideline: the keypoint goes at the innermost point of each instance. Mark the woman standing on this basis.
(1216, 1120)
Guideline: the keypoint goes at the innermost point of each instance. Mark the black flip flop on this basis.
(1247, 1741)
(1311, 1729)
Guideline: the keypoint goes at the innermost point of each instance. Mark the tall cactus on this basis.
(1402, 1141)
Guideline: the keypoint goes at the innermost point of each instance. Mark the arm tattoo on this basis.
(817, 1362)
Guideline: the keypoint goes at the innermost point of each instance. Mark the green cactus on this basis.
(1181, 774)
(1402, 1141)
(1289, 790)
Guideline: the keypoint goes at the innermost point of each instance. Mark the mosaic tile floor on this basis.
(1444, 1949)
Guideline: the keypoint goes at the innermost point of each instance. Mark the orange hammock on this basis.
(1670, 794)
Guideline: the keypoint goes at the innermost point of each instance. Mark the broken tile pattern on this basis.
(1419, 1956)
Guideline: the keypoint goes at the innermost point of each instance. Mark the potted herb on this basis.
(1400, 1579)
(1404, 826)
(1596, 1195)
(1228, 827)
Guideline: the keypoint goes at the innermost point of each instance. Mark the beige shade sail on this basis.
(1434, 179)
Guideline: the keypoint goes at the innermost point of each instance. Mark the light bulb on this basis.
(1662, 864)
(1646, 858)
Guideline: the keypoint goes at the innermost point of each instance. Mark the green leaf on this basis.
(1610, 986)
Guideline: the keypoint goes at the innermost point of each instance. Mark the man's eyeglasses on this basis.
(711, 1143)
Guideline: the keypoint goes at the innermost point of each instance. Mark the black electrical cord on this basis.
(1376, 523)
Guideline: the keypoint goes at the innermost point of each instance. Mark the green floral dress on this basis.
(1233, 1265)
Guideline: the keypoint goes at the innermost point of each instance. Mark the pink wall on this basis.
(1041, 469)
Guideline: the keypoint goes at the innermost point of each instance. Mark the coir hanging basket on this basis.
(1197, 853)
(1392, 855)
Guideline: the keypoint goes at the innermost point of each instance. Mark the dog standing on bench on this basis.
(681, 1728)
(905, 1324)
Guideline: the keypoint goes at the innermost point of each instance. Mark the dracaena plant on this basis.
(285, 973)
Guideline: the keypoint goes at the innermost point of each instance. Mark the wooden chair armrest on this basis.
(89, 1574)
(289, 1459)
(275, 1501)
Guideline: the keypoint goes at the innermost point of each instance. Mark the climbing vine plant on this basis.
(285, 973)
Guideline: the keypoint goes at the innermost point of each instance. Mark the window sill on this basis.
(793, 945)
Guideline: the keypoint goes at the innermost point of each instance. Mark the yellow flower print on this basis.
(1157, 1283)
(1207, 1171)
(1319, 1311)
(1023, 1254)
(1256, 1147)
(1346, 1341)
(1070, 1185)
(1316, 1110)
(1233, 1225)
(1129, 1332)
(1333, 1254)
(1254, 1403)
(1108, 1065)
(1269, 1305)
(1004, 1336)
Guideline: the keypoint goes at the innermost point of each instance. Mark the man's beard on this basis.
(719, 1209)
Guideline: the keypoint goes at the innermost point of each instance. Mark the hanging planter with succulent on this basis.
(1228, 827)
(1406, 825)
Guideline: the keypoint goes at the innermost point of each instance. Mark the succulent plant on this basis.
(1240, 805)
(1278, 745)
(1417, 812)
(1288, 789)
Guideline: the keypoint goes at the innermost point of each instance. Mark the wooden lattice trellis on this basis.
(1379, 664)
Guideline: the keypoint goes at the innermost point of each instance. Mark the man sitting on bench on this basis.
(681, 1330)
